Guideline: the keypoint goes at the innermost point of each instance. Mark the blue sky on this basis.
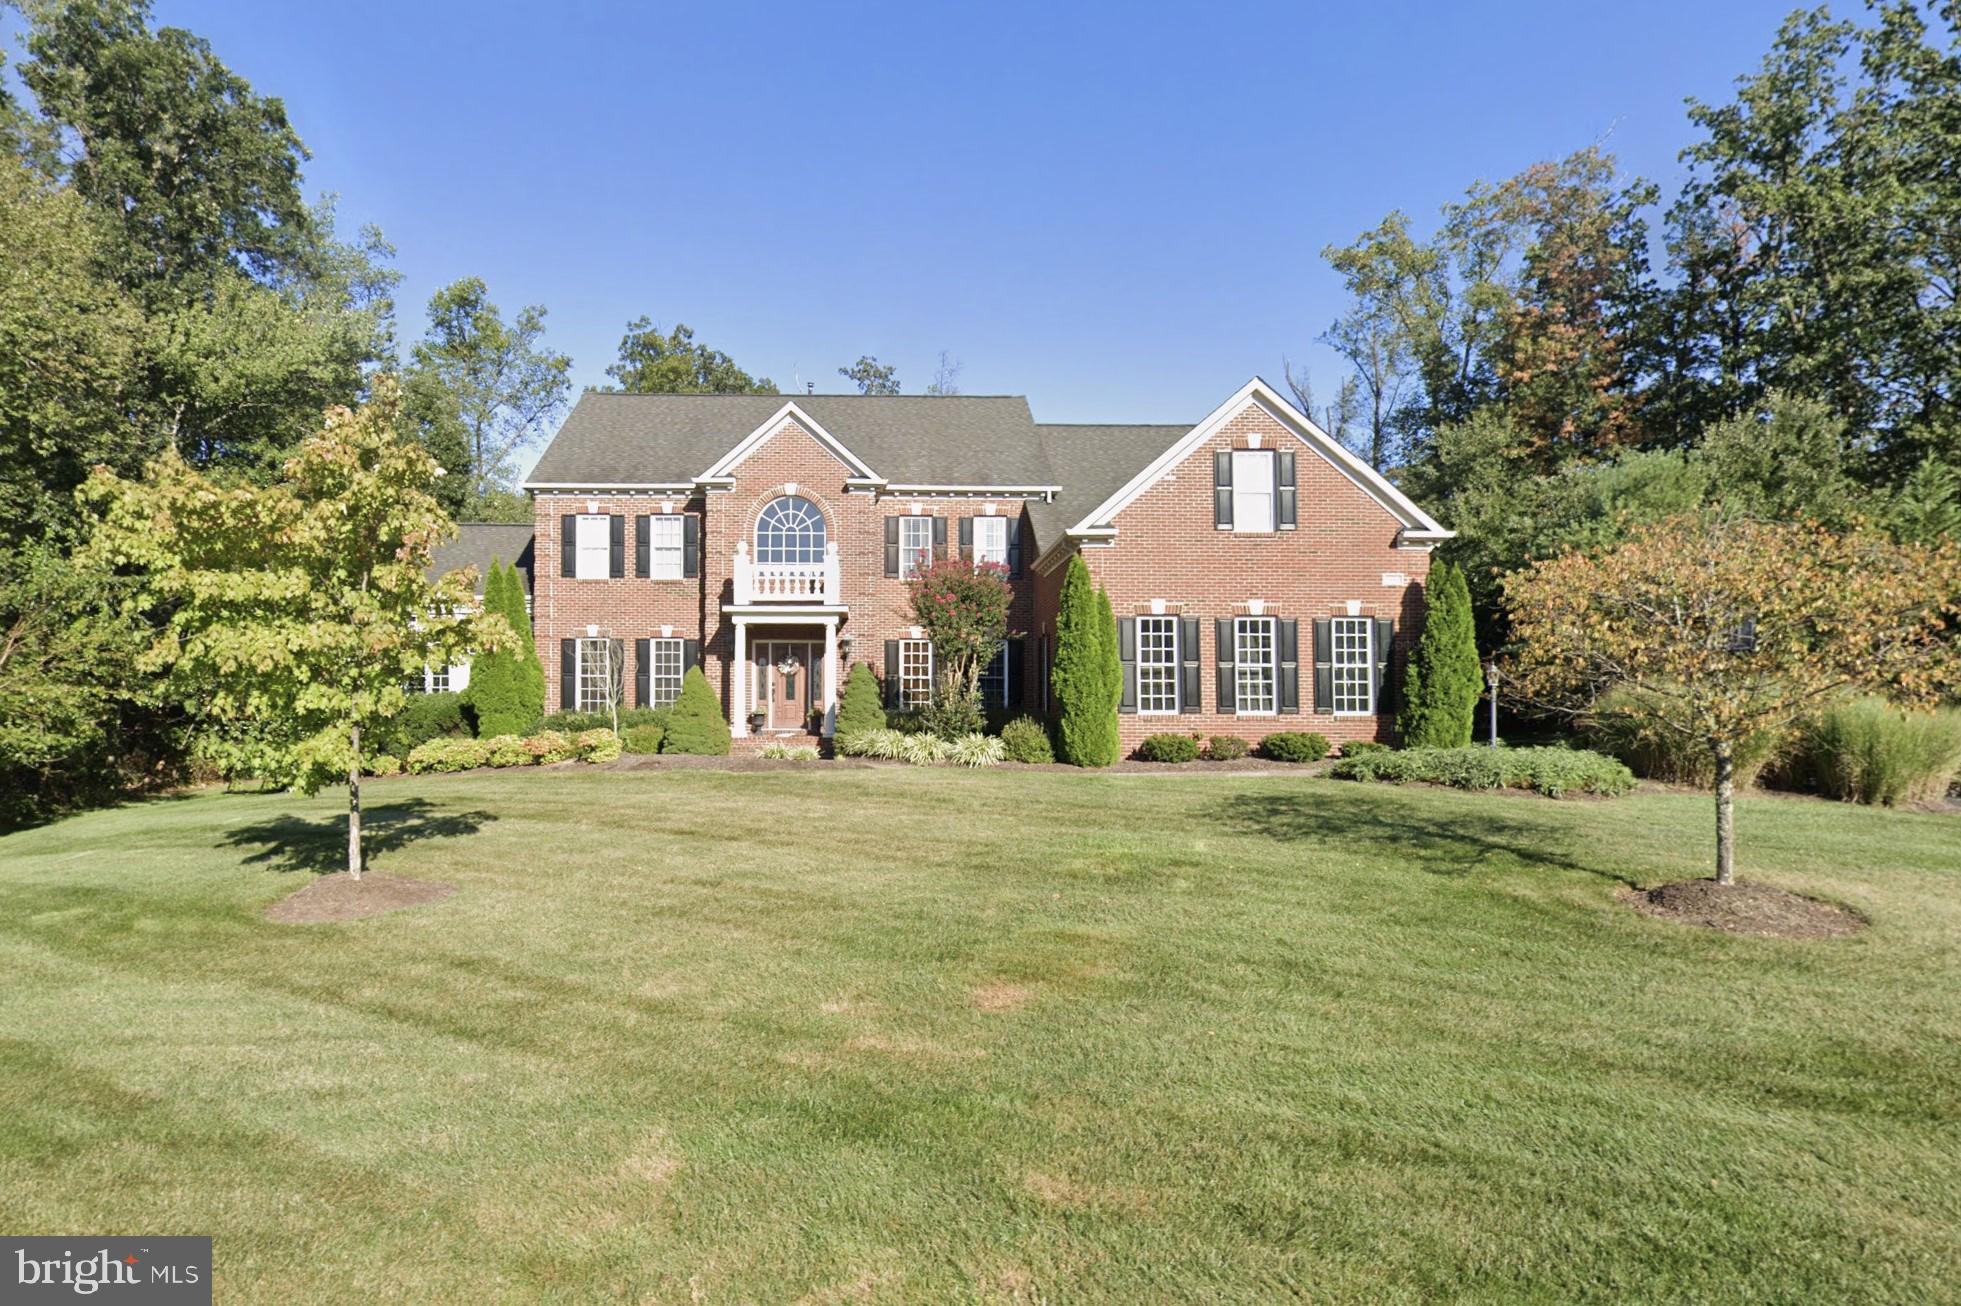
(1116, 210)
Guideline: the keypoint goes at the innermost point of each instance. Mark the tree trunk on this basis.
(1725, 813)
(354, 806)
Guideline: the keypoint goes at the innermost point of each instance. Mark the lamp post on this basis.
(1491, 683)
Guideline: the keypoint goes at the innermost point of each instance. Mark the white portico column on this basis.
(739, 682)
(830, 677)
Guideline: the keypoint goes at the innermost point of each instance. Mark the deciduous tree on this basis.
(1726, 629)
(871, 376)
(655, 362)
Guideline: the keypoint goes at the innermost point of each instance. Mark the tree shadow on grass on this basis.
(1460, 844)
(289, 843)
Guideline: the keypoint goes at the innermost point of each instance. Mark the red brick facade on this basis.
(1342, 559)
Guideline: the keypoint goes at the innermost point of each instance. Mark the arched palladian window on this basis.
(790, 530)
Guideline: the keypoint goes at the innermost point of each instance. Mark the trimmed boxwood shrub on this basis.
(1294, 746)
(696, 724)
(1025, 740)
(1226, 748)
(642, 739)
(1554, 772)
(1168, 748)
(1357, 747)
(596, 746)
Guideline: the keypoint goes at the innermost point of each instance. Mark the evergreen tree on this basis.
(1086, 732)
(1112, 657)
(861, 708)
(1440, 692)
(696, 724)
(507, 688)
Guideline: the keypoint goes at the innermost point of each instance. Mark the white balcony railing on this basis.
(786, 582)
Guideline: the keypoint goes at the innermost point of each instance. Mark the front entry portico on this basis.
(785, 671)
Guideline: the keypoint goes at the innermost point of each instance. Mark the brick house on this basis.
(1263, 577)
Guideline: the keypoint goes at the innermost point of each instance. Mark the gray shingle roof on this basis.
(638, 439)
(477, 542)
(1091, 463)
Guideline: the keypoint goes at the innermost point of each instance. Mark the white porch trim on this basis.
(743, 618)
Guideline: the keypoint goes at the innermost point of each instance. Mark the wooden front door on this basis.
(786, 671)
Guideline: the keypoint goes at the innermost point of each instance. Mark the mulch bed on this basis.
(334, 898)
(1745, 908)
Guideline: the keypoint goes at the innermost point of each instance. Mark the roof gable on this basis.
(771, 426)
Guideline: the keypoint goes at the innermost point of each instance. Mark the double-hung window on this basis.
(598, 678)
(915, 673)
(593, 546)
(664, 547)
(664, 670)
(1254, 675)
(1253, 477)
(991, 540)
(1157, 665)
(915, 544)
(993, 686)
(1353, 666)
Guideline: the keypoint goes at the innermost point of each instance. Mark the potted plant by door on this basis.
(756, 720)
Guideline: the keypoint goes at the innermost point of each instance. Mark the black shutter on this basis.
(1127, 654)
(891, 546)
(643, 546)
(568, 675)
(568, 544)
(690, 545)
(1222, 488)
(1188, 686)
(1011, 673)
(642, 667)
(1289, 679)
(1014, 546)
(1228, 700)
(891, 673)
(1385, 653)
(1324, 667)
(939, 539)
(1285, 499)
(617, 559)
(966, 539)
(690, 654)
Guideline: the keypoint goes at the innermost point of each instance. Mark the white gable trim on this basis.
(1256, 391)
(725, 465)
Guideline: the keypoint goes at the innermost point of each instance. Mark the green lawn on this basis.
(906, 1035)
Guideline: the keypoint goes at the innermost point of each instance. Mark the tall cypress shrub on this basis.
(1440, 692)
(507, 688)
(1086, 730)
(530, 680)
(1112, 652)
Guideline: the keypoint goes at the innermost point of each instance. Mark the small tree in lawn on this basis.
(1733, 628)
(963, 608)
(1440, 693)
(860, 709)
(307, 601)
(1086, 728)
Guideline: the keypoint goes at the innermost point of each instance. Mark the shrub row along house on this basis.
(1258, 570)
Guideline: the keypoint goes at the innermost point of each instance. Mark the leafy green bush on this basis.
(548, 746)
(1357, 747)
(924, 749)
(790, 752)
(861, 707)
(597, 746)
(1294, 746)
(1169, 748)
(574, 722)
(696, 725)
(1554, 772)
(1868, 751)
(1025, 740)
(459, 754)
(1621, 725)
(1226, 748)
(384, 764)
(427, 716)
(508, 750)
(642, 739)
(977, 750)
(952, 714)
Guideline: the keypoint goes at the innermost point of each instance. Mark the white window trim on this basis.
(1335, 665)
(601, 524)
(664, 560)
(906, 703)
(910, 551)
(993, 527)
(1272, 628)
(579, 680)
(1176, 667)
(1269, 460)
(655, 647)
